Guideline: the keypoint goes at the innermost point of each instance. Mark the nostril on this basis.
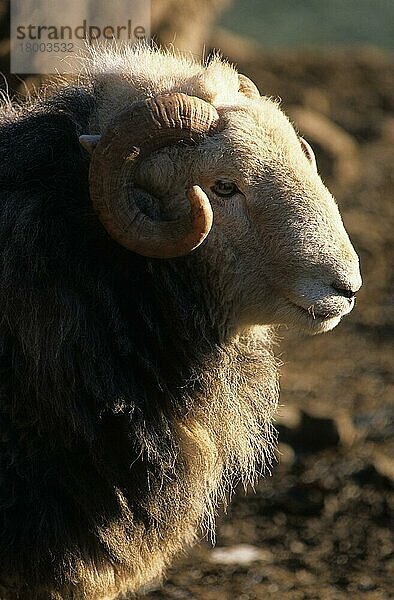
(346, 292)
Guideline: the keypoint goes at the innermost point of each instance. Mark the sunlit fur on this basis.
(285, 227)
(136, 392)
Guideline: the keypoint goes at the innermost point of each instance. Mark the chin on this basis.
(305, 322)
(318, 326)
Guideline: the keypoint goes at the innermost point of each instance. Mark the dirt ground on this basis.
(319, 526)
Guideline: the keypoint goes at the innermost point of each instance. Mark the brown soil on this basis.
(319, 527)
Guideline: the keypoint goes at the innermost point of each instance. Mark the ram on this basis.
(158, 219)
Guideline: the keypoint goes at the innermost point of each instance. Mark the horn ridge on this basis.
(135, 133)
(247, 87)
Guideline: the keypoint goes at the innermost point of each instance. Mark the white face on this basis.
(278, 239)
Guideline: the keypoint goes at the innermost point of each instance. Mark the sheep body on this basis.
(131, 399)
(123, 418)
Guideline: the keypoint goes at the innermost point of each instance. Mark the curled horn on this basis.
(247, 87)
(134, 134)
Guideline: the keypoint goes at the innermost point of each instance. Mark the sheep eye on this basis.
(225, 189)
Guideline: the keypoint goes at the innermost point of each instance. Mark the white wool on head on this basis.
(124, 74)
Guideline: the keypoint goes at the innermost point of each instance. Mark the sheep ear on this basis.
(89, 142)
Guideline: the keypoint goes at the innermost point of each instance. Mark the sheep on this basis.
(159, 219)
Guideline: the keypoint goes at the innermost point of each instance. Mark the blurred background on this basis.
(319, 527)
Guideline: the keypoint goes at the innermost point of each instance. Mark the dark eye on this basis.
(224, 188)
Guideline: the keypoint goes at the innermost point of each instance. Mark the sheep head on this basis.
(277, 248)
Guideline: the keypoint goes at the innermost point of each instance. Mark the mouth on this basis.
(312, 309)
(310, 320)
(324, 310)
